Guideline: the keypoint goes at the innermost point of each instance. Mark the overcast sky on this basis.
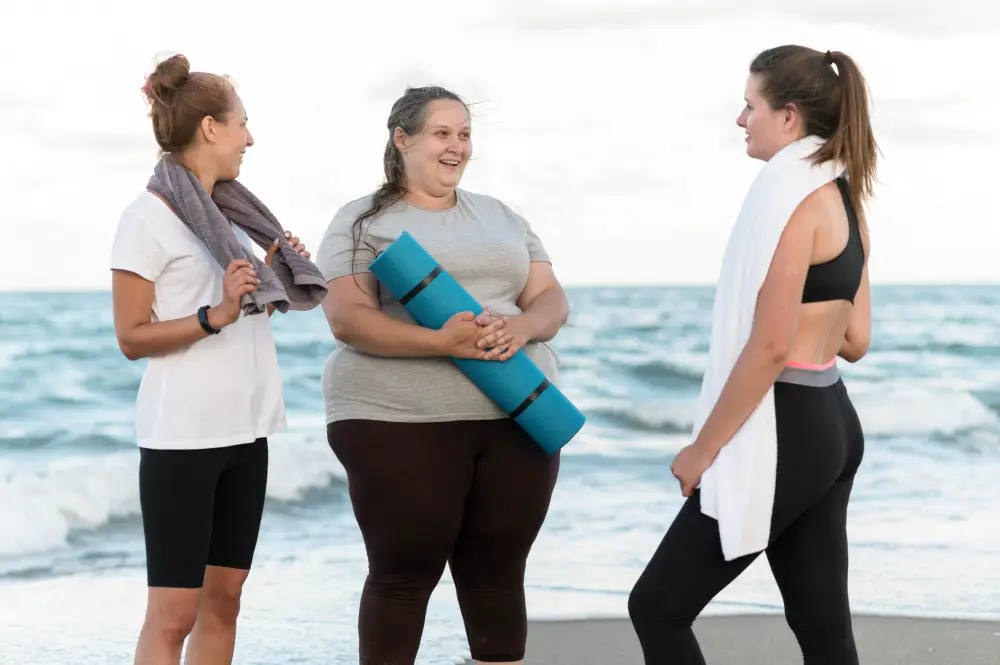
(609, 125)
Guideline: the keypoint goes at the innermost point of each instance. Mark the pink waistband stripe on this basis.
(798, 365)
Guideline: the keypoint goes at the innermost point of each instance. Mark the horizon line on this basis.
(567, 286)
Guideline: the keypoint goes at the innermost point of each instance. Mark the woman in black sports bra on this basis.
(792, 92)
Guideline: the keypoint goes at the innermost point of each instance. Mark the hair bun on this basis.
(169, 76)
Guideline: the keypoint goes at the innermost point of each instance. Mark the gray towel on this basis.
(294, 283)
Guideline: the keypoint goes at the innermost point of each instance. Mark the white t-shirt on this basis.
(222, 390)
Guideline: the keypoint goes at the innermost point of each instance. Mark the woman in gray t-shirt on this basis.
(437, 472)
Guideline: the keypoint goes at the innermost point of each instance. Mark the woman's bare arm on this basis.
(139, 337)
(858, 336)
(544, 302)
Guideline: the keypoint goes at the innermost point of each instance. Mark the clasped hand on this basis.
(488, 336)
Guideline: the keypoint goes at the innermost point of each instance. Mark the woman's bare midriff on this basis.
(821, 330)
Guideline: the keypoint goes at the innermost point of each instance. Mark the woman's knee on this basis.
(475, 568)
(654, 607)
(222, 604)
(406, 562)
(221, 593)
(639, 604)
(826, 625)
(404, 579)
(171, 619)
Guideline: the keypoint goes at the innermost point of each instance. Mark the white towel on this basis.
(738, 489)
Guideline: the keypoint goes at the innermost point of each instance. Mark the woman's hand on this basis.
(292, 240)
(505, 341)
(689, 465)
(459, 336)
(239, 279)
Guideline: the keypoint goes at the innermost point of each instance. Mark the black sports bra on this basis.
(840, 277)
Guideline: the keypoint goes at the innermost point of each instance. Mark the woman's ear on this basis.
(400, 139)
(208, 128)
(791, 117)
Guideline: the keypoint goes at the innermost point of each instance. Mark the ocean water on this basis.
(924, 536)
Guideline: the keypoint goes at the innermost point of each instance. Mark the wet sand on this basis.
(767, 640)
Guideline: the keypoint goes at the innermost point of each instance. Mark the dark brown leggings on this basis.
(472, 494)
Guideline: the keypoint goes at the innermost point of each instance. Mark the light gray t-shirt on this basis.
(487, 248)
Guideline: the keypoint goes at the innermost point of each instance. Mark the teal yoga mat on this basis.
(517, 385)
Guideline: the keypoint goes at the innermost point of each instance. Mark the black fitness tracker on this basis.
(203, 320)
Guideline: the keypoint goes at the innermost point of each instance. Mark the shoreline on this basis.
(765, 639)
(315, 626)
(61, 290)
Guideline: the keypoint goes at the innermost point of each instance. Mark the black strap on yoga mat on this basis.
(531, 398)
(421, 286)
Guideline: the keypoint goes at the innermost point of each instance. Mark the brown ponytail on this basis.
(853, 140)
(833, 104)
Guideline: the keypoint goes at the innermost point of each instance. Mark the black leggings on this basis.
(820, 445)
(472, 494)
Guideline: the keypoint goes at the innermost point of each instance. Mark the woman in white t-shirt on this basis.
(211, 393)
